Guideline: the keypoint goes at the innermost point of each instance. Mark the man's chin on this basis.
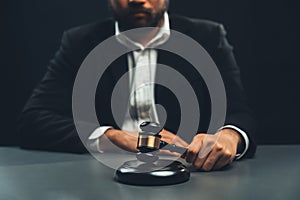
(139, 22)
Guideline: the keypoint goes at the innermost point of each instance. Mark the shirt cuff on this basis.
(244, 136)
(93, 140)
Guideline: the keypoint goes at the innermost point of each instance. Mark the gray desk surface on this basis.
(273, 174)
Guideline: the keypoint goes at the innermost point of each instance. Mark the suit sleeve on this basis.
(238, 112)
(46, 122)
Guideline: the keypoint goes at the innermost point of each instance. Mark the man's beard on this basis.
(126, 20)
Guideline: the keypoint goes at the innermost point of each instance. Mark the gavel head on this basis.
(148, 142)
(149, 138)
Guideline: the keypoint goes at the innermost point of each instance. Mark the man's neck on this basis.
(144, 36)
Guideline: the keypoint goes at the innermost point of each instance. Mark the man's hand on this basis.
(171, 138)
(212, 152)
(128, 140)
(122, 139)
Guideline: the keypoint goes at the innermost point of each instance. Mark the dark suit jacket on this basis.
(46, 121)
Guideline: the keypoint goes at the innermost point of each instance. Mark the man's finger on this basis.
(180, 142)
(213, 158)
(170, 153)
(194, 148)
(199, 161)
(226, 159)
(208, 145)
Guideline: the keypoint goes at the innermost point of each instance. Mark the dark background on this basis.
(265, 34)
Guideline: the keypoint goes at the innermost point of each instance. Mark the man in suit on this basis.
(47, 123)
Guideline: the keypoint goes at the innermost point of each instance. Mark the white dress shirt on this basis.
(142, 68)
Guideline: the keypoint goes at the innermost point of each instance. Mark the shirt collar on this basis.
(161, 37)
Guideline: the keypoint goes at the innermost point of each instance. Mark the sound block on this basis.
(161, 172)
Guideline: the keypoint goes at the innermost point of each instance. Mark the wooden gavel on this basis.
(149, 142)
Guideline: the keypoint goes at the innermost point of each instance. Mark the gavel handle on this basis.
(172, 147)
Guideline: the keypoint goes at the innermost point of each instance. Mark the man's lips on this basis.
(139, 13)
